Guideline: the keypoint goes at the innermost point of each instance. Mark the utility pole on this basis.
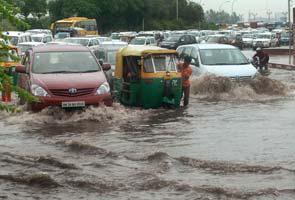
(241, 17)
(285, 14)
(268, 13)
(254, 16)
(289, 21)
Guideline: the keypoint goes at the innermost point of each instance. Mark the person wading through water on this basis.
(186, 71)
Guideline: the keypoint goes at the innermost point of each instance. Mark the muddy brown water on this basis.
(232, 142)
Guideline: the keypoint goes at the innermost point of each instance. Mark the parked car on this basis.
(142, 40)
(17, 37)
(220, 60)
(42, 38)
(176, 40)
(106, 53)
(247, 39)
(24, 46)
(39, 31)
(61, 35)
(67, 76)
(217, 39)
(91, 43)
(285, 38)
(265, 40)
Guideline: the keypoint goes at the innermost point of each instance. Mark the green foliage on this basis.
(38, 23)
(116, 15)
(221, 17)
(37, 8)
(8, 12)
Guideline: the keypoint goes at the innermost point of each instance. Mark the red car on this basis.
(68, 76)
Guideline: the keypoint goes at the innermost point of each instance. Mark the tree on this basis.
(8, 12)
(37, 8)
(118, 15)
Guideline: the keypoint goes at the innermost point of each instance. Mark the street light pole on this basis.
(289, 20)
(223, 4)
(232, 10)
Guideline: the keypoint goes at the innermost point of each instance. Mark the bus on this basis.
(76, 26)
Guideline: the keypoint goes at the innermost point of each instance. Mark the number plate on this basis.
(73, 104)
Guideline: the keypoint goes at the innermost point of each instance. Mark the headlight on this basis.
(104, 88)
(38, 91)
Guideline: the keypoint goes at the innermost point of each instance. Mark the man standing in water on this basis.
(186, 72)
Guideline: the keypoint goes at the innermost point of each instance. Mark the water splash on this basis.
(56, 115)
(210, 87)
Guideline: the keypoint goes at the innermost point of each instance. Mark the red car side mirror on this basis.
(20, 69)
(106, 66)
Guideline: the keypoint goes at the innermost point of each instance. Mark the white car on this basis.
(142, 40)
(91, 43)
(26, 45)
(220, 60)
(42, 37)
(266, 39)
(16, 37)
(247, 39)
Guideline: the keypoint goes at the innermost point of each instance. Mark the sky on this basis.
(258, 7)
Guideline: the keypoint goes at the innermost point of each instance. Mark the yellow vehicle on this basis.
(76, 26)
(7, 61)
(147, 76)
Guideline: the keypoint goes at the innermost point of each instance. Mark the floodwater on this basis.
(232, 142)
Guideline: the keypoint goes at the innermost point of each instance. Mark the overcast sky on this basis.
(261, 7)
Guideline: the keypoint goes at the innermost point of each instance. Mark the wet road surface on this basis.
(232, 142)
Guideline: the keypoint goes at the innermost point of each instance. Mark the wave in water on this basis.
(223, 88)
(36, 179)
(213, 166)
(79, 147)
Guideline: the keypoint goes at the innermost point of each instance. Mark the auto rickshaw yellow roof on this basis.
(9, 46)
(139, 50)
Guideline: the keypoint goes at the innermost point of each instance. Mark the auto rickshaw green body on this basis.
(147, 76)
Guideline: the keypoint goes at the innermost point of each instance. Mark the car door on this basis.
(195, 63)
(24, 78)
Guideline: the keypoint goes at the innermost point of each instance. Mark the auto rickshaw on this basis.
(147, 76)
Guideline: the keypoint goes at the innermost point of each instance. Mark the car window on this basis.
(222, 57)
(182, 39)
(180, 50)
(64, 62)
(194, 56)
(194, 53)
(187, 50)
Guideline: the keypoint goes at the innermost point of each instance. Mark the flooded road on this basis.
(232, 142)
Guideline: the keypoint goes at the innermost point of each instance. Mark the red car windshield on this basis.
(64, 62)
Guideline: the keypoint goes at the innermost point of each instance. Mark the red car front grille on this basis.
(66, 93)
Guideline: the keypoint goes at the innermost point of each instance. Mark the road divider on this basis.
(281, 66)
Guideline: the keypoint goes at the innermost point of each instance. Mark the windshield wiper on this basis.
(60, 72)
(91, 70)
(221, 64)
(243, 63)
